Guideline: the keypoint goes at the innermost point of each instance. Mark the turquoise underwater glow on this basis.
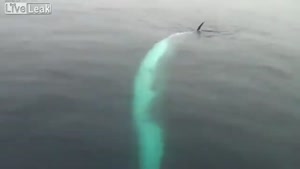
(150, 133)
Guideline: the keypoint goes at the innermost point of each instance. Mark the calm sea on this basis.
(232, 98)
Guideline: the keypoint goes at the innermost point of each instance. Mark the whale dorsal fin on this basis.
(199, 27)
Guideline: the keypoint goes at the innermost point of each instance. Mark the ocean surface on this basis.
(232, 98)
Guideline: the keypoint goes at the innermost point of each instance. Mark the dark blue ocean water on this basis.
(232, 98)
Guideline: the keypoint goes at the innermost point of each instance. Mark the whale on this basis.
(199, 27)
